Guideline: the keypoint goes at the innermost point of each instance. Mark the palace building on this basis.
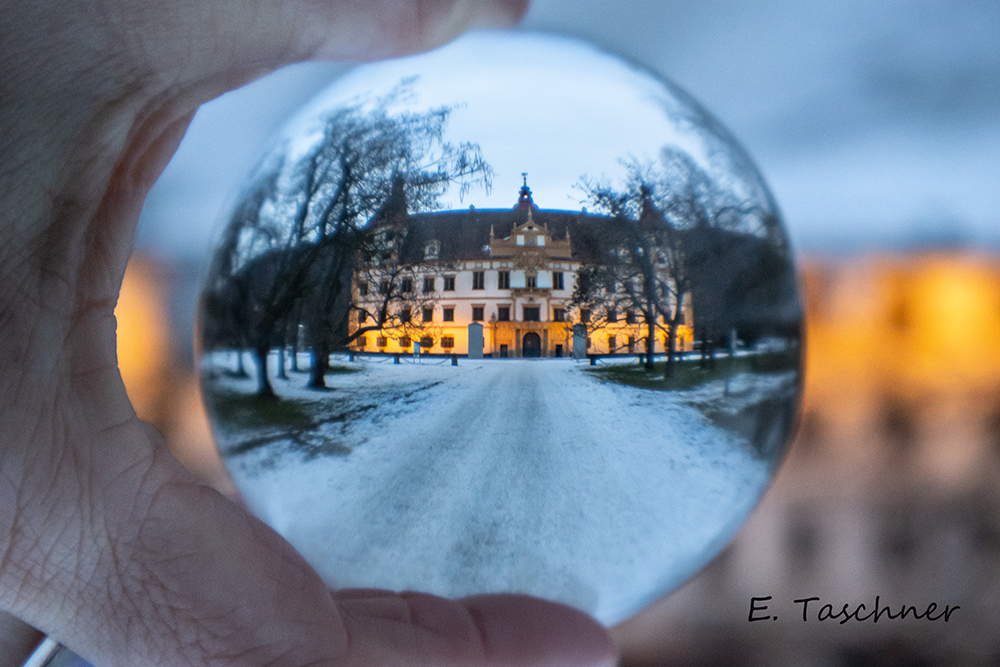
(510, 271)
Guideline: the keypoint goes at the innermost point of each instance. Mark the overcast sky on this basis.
(558, 111)
(875, 123)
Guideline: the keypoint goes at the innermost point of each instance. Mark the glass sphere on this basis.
(509, 316)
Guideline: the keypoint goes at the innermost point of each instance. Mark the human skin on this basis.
(106, 542)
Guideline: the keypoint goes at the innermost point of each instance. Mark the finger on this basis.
(510, 630)
(100, 93)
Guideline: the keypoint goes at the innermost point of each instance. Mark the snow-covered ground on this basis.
(500, 475)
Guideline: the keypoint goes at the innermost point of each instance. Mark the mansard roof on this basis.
(465, 234)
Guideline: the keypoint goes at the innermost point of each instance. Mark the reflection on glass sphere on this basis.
(508, 316)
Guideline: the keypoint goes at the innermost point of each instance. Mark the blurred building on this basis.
(889, 489)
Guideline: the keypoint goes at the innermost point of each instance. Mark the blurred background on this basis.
(877, 125)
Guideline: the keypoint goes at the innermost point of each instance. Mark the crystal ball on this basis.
(509, 316)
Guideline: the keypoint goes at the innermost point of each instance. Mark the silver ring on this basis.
(51, 653)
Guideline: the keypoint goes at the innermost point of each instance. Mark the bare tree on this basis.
(295, 243)
(667, 226)
(642, 266)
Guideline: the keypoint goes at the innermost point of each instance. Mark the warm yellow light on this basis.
(909, 326)
(143, 337)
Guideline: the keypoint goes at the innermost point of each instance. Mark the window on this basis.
(361, 341)
(449, 314)
(381, 341)
(588, 342)
(428, 284)
(432, 249)
(477, 313)
(631, 344)
(584, 315)
(503, 279)
(426, 342)
(363, 288)
(404, 316)
(428, 315)
(407, 285)
(404, 342)
(557, 280)
(680, 319)
(362, 316)
(383, 287)
(630, 317)
(503, 313)
(449, 283)
(531, 281)
(478, 280)
(612, 315)
(531, 314)
(447, 342)
(612, 343)
(558, 314)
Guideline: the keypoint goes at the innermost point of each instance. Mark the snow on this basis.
(513, 475)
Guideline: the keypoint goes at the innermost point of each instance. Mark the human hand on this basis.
(106, 543)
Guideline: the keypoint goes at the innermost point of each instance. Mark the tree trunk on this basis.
(264, 388)
(320, 364)
(668, 368)
(241, 369)
(650, 342)
(281, 363)
(295, 356)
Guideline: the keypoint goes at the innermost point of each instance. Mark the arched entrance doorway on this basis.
(531, 345)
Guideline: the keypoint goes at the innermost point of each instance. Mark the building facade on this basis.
(513, 272)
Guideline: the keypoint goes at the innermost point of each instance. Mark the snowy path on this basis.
(510, 475)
